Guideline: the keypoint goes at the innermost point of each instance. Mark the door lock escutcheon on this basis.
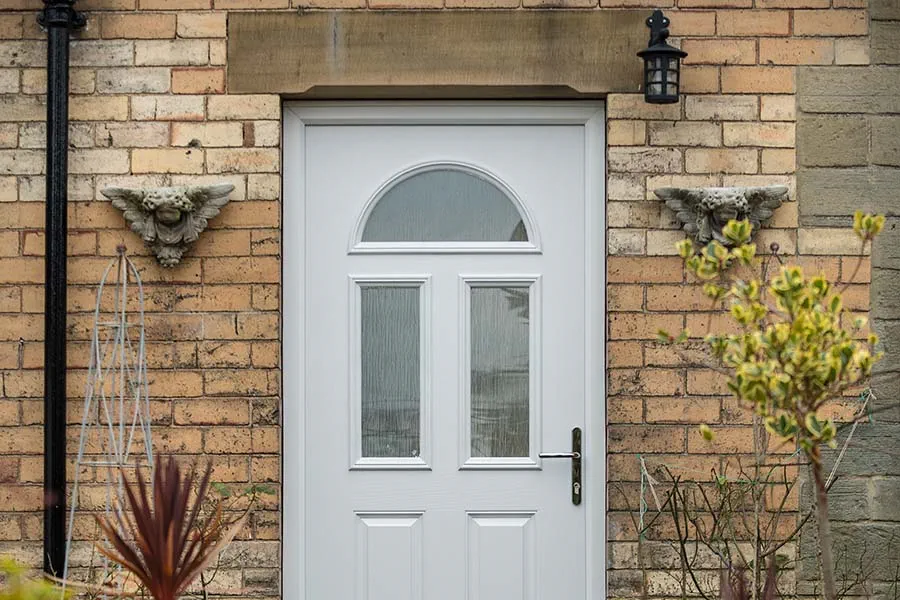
(576, 457)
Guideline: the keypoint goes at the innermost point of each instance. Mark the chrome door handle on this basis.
(575, 455)
(560, 455)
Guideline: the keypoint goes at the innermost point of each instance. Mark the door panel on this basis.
(444, 348)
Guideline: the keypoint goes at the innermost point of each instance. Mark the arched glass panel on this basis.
(445, 203)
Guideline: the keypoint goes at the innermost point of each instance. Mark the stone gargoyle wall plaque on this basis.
(169, 219)
(703, 212)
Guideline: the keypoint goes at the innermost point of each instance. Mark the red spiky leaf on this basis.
(163, 540)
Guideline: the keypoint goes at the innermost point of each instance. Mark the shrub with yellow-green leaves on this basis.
(796, 346)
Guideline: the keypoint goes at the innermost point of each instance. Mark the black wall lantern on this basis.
(662, 63)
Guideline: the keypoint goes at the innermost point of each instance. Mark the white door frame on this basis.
(299, 115)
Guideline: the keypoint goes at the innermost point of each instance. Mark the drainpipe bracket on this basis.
(60, 13)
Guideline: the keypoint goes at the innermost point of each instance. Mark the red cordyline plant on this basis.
(163, 541)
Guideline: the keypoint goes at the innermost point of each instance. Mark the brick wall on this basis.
(149, 107)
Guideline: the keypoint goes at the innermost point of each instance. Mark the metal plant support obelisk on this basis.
(116, 414)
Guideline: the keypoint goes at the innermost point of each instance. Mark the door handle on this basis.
(575, 456)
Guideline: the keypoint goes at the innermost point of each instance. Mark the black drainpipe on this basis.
(58, 18)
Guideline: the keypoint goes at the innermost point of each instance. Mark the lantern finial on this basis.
(662, 63)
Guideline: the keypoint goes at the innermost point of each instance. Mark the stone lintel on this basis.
(447, 54)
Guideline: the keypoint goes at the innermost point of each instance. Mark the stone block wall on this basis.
(848, 146)
(150, 106)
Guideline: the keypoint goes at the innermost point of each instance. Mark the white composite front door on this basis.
(443, 311)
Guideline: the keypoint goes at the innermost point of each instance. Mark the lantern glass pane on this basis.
(655, 76)
(656, 88)
(658, 63)
(672, 76)
(673, 63)
(672, 90)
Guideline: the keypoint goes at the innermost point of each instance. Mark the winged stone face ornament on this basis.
(703, 212)
(169, 219)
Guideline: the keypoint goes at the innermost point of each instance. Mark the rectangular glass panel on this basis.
(390, 377)
(500, 367)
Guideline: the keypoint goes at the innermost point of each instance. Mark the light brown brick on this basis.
(243, 160)
(137, 26)
(624, 297)
(10, 27)
(98, 160)
(720, 51)
(132, 134)
(34, 81)
(22, 108)
(167, 108)
(625, 241)
(624, 354)
(242, 270)
(644, 270)
(105, 53)
(107, 4)
(685, 133)
(796, 51)
(633, 106)
(416, 4)
(793, 3)
(9, 81)
(175, 4)
(223, 242)
(693, 23)
(776, 160)
(167, 160)
(706, 382)
(244, 107)
(830, 22)
(721, 108)
(198, 81)
(218, 52)
(231, 382)
(266, 355)
(266, 440)
(699, 79)
(21, 162)
(631, 159)
(758, 80)
(137, 80)
(777, 108)
(632, 326)
(775, 135)
(171, 52)
(249, 214)
(661, 242)
(202, 25)
(250, 4)
(683, 410)
(715, 3)
(207, 134)
(646, 439)
(108, 108)
(223, 354)
(482, 3)
(329, 3)
(266, 133)
(716, 160)
(753, 22)
(727, 440)
(626, 133)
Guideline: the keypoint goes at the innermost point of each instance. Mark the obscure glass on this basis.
(444, 205)
(500, 371)
(390, 371)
